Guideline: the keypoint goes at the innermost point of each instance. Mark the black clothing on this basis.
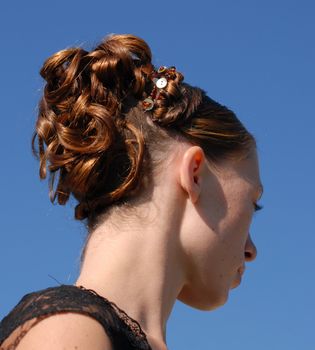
(124, 332)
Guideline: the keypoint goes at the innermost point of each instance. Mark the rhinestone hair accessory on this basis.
(160, 79)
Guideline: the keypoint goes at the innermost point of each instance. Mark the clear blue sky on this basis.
(257, 57)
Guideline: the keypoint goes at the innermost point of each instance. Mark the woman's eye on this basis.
(257, 206)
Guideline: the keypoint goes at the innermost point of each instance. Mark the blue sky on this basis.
(257, 57)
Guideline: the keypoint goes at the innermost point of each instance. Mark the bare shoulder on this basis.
(66, 331)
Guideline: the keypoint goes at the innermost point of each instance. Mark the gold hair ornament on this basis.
(160, 79)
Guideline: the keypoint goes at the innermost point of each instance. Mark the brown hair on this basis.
(94, 135)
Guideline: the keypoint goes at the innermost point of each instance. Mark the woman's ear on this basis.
(191, 168)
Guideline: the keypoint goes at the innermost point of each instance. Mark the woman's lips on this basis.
(241, 270)
(238, 278)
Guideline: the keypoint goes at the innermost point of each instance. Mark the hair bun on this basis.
(80, 127)
(120, 62)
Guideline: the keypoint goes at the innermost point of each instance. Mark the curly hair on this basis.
(94, 137)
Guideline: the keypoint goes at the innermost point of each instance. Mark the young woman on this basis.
(167, 181)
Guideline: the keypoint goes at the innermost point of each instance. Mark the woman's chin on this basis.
(206, 301)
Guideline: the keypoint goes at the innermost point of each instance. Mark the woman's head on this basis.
(103, 146)
(100, 144)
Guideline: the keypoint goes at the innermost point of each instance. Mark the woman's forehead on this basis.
(249, 171)
(245, 170)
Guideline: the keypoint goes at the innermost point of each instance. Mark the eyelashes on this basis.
(257, 207)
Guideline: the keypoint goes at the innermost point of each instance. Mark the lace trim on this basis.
(36, 306)
(133, 325)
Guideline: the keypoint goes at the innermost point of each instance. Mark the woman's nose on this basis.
(250, 249)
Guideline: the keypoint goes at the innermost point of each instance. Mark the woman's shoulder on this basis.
(61, 331)
(65, 313)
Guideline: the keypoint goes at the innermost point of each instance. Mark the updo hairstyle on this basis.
(94, 137)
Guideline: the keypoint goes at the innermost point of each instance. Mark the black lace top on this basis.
(125, 333)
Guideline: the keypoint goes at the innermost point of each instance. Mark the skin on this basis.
(217, 235)
(190, 241)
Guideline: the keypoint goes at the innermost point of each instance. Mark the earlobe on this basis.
(191, 172)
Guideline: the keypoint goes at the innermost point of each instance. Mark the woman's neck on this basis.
(138, 265)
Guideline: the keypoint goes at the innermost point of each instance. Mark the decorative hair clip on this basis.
(160, 79)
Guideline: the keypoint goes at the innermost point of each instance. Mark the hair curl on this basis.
(93, 134)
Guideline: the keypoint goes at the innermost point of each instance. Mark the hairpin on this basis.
(160, 79)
